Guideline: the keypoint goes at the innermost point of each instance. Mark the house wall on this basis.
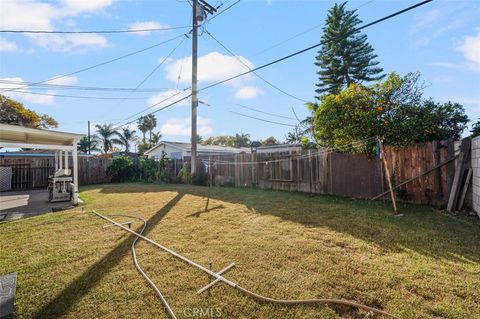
(476, 174)
(171, 152)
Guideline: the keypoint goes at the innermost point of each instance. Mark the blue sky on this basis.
(440, 39)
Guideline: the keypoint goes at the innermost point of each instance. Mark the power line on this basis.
(79, 96)
(260, 119)
(151, 72)
(258, 111)
(227, 8)
(48, 86)
(160, 109)
(100, 64)
(302, 33)
(288, 56)
(97, 31)
(313, 46)
(155, 104)
(257, 75)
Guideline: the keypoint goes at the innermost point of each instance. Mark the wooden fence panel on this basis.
(351, 175)
(33, 172)
(409, 162)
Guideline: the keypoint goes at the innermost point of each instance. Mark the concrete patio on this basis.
(23, 204)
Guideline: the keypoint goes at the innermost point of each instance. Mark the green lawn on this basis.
(285, 245)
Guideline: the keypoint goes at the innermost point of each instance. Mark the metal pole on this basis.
(89, 148)
(193, 168)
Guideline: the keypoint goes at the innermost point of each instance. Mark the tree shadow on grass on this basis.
(422, 229)
(61, 304)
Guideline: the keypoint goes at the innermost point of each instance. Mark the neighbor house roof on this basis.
(200, 148)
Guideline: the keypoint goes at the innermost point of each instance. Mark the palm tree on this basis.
(83, 146)
(156, 137)
(106, 133)
(125, 138)
(143, 126)
(151, 123)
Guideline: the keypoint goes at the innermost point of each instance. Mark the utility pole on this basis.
(89, 146)
(200, 8)
(193, 159)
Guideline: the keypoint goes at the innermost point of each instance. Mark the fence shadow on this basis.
(61, 304)
(422, 229)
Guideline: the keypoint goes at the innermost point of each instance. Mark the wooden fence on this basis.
(33, 172)
(314, 171)
(351, 175)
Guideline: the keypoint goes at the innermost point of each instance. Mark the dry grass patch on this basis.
(285, 245)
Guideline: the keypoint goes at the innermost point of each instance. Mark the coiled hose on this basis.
(229, 282)
(140, 270)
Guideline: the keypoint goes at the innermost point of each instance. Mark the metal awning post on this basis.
(75, 172)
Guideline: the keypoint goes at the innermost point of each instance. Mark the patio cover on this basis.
(26, 137)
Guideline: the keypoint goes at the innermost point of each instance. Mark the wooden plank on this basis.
(465, 188)
(459, 173)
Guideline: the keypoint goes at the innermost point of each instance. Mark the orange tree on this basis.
(394, 109)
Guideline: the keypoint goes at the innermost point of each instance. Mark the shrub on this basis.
(121, 169)
(201, 177)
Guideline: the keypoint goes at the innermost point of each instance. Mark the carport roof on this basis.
(26, 137)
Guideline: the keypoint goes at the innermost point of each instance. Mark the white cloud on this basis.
(443, 20)
(64, 80)
(7, 46)
(23, 93)
(470, 47)
(35, 15)
(21, 15)
(166, 97)
(146, 25)
(69, 42)
(247, 92)
(213, 66)
(78, 6)
(182, 127)
(444, 65)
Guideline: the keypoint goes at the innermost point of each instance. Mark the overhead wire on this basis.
(95, 31)
(99, 64)
(227, 8)
(78, 96)
(256, 74)
(153, 105)
(263, 120)
(263, 112)
(48, 86)
(150, 73)
(295, 53)
(313, 46)
(302, 33)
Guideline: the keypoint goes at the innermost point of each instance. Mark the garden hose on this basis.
(233, 284)
(140, 270)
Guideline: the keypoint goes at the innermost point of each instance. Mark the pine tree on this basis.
(345, 57)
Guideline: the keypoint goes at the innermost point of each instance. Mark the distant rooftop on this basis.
(202, 148)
